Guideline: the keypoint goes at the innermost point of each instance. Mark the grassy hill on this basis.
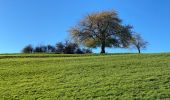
(65, 77)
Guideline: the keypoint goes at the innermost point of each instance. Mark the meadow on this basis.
(67, 77)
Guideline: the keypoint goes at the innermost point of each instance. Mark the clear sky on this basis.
(38, 22)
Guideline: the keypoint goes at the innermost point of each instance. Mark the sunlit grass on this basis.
(54, 76)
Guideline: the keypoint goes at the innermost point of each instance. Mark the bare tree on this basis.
(60, 47)
(138, 42)
(40, 49)
(102, 29)
(70, 47)
(51, 49)
(28, 49)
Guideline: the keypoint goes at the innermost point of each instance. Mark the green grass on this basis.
(66, 77)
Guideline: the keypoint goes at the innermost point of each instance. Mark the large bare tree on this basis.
(102, 29)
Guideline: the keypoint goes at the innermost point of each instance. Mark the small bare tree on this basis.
(138, 42)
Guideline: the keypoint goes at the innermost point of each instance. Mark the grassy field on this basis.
(66, 77)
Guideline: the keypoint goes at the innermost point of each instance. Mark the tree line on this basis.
(100, 29)
(66, 47)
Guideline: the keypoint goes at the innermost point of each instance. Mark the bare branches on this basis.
(138, 42)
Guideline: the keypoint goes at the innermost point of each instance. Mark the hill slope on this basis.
(52, 76)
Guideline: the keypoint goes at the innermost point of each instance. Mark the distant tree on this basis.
(44, 48)
(28, 49)
(79, 51)
(40, 49)
(37, 49)
(51, 49)
(102, 29)
(60, 47)
(83, 51)
(86, 51)
(70, 48)
(138, 42)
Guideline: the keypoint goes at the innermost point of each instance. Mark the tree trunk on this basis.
(139, 50)
(103, 48)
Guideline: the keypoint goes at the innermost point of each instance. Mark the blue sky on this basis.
(38, 22)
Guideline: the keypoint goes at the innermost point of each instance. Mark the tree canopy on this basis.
(102, 29)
